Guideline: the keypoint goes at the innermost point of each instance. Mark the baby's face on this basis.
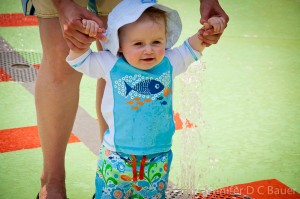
(143, 42)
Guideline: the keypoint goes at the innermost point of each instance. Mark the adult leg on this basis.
(56, 98)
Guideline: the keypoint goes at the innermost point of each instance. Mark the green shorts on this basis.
(126, 176)
(46, 9)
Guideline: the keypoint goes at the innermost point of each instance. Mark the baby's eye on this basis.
(156, 42)
(138, 43)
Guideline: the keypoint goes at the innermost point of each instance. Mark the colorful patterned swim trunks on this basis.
(121, 175)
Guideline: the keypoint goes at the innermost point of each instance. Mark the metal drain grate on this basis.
(18, 68)
(222, 196)
(180, 194)
(18, 64)
(174, 193)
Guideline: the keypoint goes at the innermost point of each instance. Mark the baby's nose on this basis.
(148, 49)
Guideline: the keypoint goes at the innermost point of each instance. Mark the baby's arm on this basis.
(91, 29)
(217, 23)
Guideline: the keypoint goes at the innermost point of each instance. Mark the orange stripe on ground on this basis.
(23, 138)
(4, 77)
(263, 189)
(17, 19)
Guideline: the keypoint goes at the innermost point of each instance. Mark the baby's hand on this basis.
(218, 24)
(92, 28)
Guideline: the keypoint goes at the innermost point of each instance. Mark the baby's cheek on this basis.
(131, 58)
(161, 52)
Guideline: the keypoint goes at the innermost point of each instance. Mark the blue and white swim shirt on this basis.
(137, 104)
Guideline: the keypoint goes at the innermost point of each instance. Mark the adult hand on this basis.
(208, 9)
(70, 17)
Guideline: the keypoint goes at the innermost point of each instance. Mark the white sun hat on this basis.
(128, 11)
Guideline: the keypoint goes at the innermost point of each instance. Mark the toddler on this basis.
(139, 67)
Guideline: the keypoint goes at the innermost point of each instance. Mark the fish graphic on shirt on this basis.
(145, 87)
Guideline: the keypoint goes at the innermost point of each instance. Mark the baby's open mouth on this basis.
(148, 59)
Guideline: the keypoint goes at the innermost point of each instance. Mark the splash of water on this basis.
(193, 177)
